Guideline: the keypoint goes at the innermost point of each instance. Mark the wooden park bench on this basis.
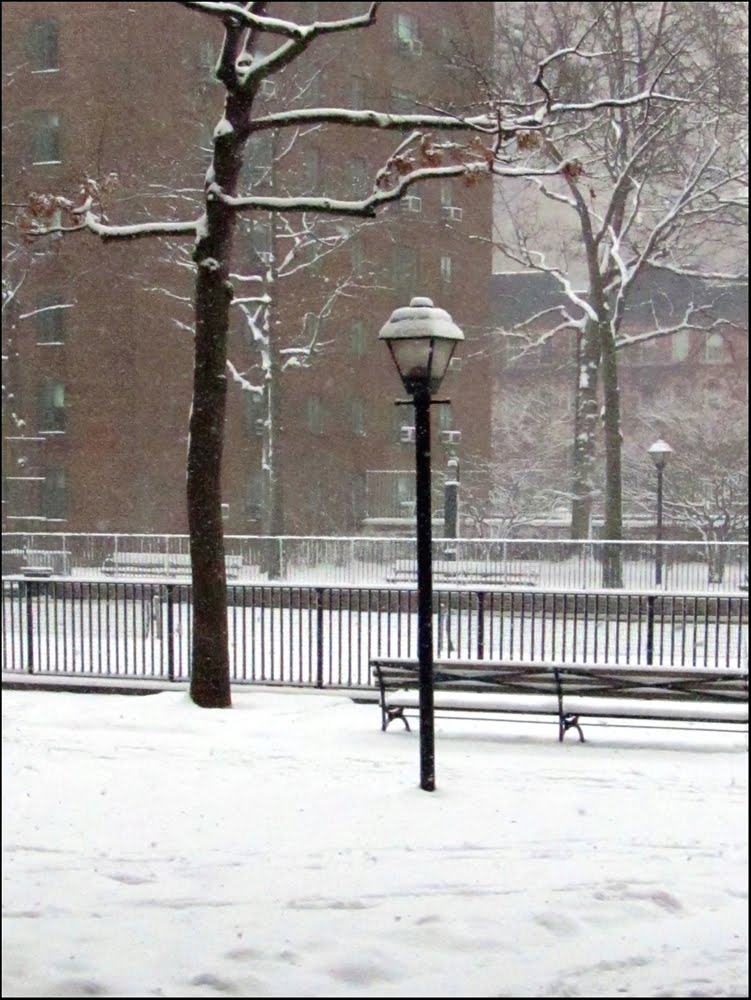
(159, 564)
(566, 690)
(463, 572)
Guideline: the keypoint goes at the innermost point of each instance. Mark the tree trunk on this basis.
(209, 682)
(585, 432)
(210, 669)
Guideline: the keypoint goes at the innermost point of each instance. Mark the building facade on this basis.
(97, 339)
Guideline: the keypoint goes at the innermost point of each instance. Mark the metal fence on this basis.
(720, 567)
(325, 636)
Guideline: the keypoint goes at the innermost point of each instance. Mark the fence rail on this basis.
(325, 636)
(546, 564)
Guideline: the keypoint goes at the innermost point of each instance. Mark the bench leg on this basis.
(566, 722)
(389, 714)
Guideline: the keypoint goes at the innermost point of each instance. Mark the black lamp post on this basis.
(422, 339)
(659, 452)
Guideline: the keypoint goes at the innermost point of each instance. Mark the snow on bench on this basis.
(566, 690)
(159, 564)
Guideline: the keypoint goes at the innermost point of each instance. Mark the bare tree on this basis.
(255, 47)
(706, 481)
(524, 483)
(641, 192)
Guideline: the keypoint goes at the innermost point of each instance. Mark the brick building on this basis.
(97, 349)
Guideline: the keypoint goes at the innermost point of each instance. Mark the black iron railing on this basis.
(326, 636)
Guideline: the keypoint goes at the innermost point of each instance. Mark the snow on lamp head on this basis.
(660, 452)
(422, 339)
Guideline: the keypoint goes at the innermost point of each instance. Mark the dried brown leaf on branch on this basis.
(572, 169)
(401, 165)
(429, 155)
(527, 140)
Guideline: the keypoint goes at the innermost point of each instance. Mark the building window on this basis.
(255, 498)
(256, 242)
(208, 58)
(55, 494)
(643, 352)
(359, 181)
(311, 171)
(405, 271)
(714, 395)
(51, 407)
(403, 103)
(444, 418)
(358, 338)
(449, 210)
(357, 494)
(310, 94)
(714, 349)
(403, 425)
(405, 494)
(681, 345)
(357, 92)
(259, 161)
(45, 137)
(49, 319)
(311, 328)
(406, 34)
(359, 417)
(546, 351)
(314, 414)
(44, 51)
(447, 269)
(356, 255)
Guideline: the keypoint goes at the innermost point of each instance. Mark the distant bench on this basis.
(159, 564)
(566, 690)
(40, 562)
(464, 571)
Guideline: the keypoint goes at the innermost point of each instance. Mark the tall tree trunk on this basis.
(613, 571)
(210, 673)
(585, 431)
(209, 686)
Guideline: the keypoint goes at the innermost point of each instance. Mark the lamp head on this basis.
(422, 340)
(660, 452)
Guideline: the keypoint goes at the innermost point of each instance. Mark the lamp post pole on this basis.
(451, 507)
(658, 547)
(422, 339)
(421, 401)
(660, 452)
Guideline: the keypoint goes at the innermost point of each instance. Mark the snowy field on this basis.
(151, 849)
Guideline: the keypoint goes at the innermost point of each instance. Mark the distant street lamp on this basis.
(422, 339)
(660, 452)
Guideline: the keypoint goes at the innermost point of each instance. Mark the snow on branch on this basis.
(243, 71)
(366, 207)
(89, 221)
(245, 385)
(241, 14)
(688, 322)
(488, 124)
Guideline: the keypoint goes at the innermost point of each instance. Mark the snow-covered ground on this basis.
(284, 849)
